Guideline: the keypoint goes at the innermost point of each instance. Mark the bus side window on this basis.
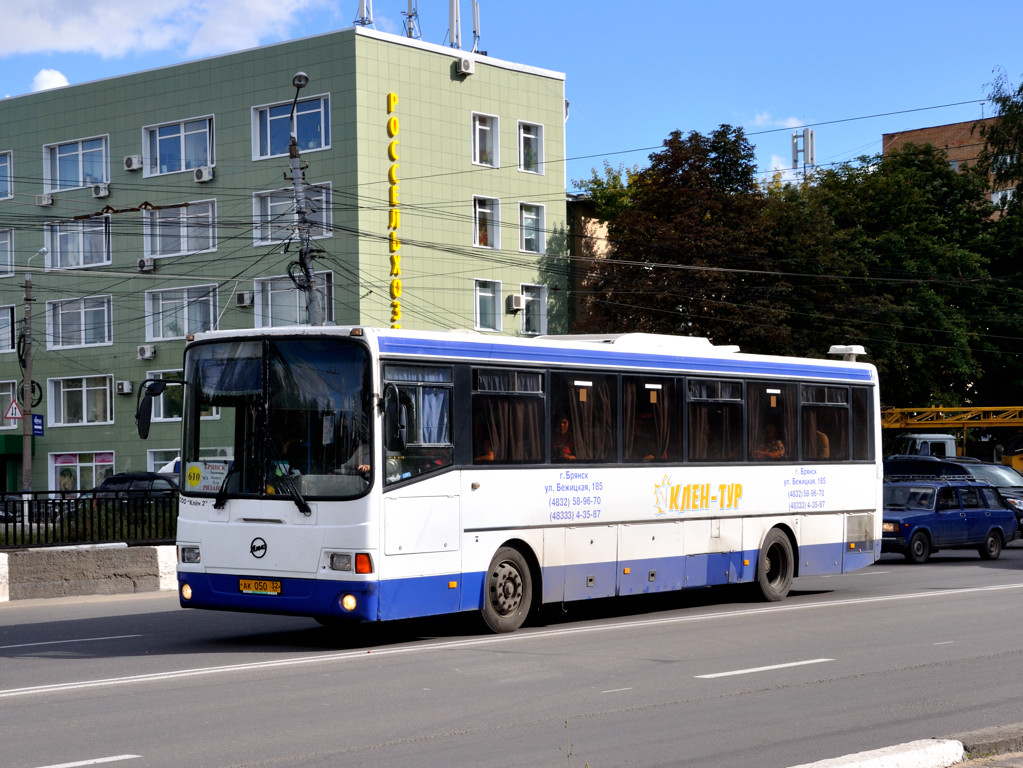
(773, 413)
(714, 415)
(586, 400)
(424, 394)
(507, 417)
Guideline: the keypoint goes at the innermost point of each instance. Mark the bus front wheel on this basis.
(775, 567)
(508, 591)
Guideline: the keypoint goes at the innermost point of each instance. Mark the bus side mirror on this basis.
(395, 421)
(144, 407)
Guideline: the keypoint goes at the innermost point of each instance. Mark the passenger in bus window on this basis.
(772, 447)
(563, 447)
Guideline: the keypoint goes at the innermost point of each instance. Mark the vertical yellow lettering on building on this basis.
(394, 215)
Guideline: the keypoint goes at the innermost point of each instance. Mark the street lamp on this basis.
(306, 283)
(26, 382)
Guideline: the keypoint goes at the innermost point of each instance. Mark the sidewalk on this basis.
(996, 747)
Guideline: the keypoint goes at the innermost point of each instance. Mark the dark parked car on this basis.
(923, 516)
(130, 490)
(1007, 480)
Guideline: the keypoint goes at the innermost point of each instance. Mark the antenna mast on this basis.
(412, 21)
(365, 17)
(455, 25)
(475, 25)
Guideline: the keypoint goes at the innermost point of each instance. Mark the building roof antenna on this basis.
(412, 27)
(475, 25)
(365, 17)
(454, 25)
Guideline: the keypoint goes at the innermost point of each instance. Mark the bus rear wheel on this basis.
(508, 591)
(776, 566)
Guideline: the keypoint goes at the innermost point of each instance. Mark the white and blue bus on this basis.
(373, 474)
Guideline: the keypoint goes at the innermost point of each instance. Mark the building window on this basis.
(80, 471)
(484, 140)
(179, 146)
(74, 244)
(167, 407)
(279, 302)
(76, 164)
(79, 322)
(1002, 197)
(531, 148)
(6, 252)
(534, 313)
(177, 312)
(81, 400)
(276, 220)
(488, 305)
(7, 328)
(271, 129)
(531, 228)
(6, 176)
(486, 222)
(177, 231)
(8, 389)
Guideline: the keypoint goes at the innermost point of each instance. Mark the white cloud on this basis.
(46, 79)
(112, 28)
(764, 120)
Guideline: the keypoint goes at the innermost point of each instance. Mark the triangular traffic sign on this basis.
(13, 411)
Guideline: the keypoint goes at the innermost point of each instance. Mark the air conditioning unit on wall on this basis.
(243, 299)
(146, 264)
(516, 302)
(147, 351)
(465, 66)
(203, 174)
(123, 387)
(133, 163)
(101, 190)
(44, 200)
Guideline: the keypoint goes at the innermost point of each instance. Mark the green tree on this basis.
(686, 244)
(1002, 155)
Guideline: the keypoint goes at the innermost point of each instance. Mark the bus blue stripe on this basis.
(608, 355)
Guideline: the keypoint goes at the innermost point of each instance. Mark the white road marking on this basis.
(624, 624)
(96, 761)
(617, 690)
(751, 670)
(73, 640)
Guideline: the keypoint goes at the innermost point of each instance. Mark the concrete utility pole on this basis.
(26, 382)
(306, 282)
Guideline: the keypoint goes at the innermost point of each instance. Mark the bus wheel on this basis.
(508, 591)
(776, 566)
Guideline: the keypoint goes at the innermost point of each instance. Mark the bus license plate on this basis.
(259, 587)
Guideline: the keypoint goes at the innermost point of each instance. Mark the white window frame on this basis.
(277, 297)
(167, 305)
(8, 391)
(65, 469)
(490, 206)
(539, 227)
(273, 214)
(99, 389)
(52, 154)
(6, 252)
(186, 223)
(81, 233)
(535, 298)
(1002, 196)
(7, 328)
(538, 138)
(487, 300)
(486, 140)
(6, 175)
(267, 117)
(61, 311)
(189, 160)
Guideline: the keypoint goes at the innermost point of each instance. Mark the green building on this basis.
(434, 181)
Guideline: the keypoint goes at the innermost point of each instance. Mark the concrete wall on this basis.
(68, 571)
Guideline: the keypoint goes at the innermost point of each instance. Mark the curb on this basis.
(934, 753)
(109, 569)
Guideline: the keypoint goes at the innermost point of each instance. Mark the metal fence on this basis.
(52, 518)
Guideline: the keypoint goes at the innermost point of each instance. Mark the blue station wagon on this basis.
(923, 516)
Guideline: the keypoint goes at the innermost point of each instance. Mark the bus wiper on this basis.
(281, 479)
(221, 498)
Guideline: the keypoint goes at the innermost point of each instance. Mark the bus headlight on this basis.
(186, 592)
(340, 561)
(348, 602)
(189, 555)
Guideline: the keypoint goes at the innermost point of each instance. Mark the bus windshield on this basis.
(277, 417)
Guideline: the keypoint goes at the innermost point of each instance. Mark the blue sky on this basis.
(635, 70)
